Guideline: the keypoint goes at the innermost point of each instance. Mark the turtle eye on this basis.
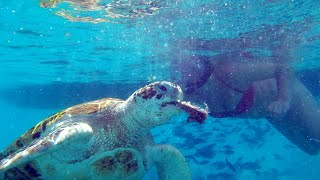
(159, 96)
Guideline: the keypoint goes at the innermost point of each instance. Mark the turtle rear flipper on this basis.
(61, 137)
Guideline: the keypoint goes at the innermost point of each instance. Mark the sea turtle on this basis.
(103, 139)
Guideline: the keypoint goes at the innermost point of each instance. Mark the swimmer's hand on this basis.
(278, 108)
(284, 79)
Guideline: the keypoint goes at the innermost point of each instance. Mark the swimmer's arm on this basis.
(284, 79)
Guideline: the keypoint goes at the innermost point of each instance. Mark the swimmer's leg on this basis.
(301, 125)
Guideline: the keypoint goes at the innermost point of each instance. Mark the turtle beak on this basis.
(195, 114)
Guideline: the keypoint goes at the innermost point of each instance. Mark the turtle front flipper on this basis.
(170, 162)
(61, 138)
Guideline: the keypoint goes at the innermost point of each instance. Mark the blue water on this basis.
(49, 63)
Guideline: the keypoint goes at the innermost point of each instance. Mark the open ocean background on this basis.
(48, 63)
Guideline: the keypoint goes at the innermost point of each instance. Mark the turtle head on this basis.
(156, 103)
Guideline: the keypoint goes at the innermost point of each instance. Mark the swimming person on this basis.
(261, 88)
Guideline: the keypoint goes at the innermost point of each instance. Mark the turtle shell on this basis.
(41, 128)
